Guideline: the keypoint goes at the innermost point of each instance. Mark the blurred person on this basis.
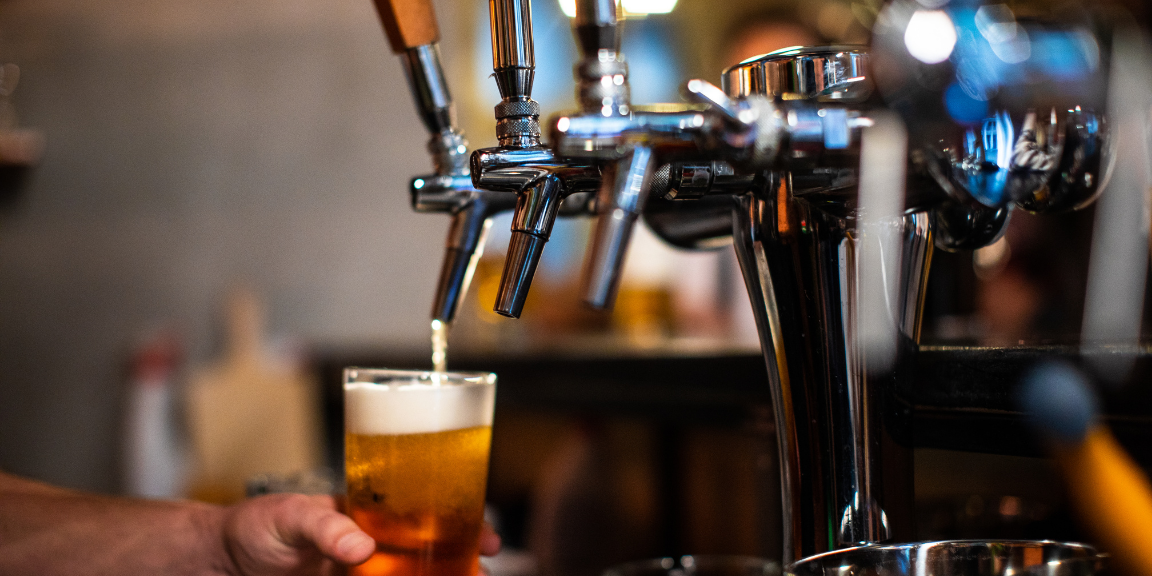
(45, 530)
(766, 32)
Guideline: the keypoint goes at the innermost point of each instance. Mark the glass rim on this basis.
(411, 377)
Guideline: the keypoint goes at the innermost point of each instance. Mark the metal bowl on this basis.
(955, 558)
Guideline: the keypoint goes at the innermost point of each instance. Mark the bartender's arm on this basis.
(48, 530)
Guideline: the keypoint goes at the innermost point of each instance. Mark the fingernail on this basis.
(354, 544)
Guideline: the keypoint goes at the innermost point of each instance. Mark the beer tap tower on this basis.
(836, 171)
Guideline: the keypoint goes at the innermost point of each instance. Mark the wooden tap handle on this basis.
(408, 23)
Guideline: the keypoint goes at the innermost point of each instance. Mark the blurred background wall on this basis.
(191, 146)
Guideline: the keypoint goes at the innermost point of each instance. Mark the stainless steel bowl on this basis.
(955, 558)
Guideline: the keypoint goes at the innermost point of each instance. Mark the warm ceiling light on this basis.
(569, 8)
(630, 7)
(648, 6)
(930, 36)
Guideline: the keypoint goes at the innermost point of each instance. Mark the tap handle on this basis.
(412, 31)
(408, 23)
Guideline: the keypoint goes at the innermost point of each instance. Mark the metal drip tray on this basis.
(955, 558)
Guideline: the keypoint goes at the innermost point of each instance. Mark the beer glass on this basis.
(416, 461)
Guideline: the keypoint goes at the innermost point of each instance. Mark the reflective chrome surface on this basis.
(835, 73)
(619, 207)
(429, 87)
(956, 558)
(541, 184)
(1007, 112)
(836, 421)
(521, 165)
(513, 55)
(472, 211)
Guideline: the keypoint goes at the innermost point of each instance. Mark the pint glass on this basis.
(416, 460)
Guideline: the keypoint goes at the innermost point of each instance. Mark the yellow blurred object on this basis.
(1113, 497)
(249, 414)
(643, 314)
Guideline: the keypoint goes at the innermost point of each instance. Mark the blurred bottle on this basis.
(155, 457)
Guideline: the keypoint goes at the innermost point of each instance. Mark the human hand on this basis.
(291, 534)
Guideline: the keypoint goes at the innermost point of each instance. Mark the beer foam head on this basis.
(410, 407)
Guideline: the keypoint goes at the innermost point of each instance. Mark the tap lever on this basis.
(707, 93)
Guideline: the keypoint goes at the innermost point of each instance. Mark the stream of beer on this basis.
(439, 346)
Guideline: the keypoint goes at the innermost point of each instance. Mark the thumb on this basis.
(313, 521)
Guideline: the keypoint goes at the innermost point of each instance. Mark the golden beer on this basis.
(416, 458)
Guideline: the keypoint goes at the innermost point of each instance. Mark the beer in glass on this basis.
(416, 459)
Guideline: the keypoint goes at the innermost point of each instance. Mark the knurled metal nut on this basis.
(517, 108)
(521, 126)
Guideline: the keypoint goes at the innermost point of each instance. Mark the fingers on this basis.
(313, 520)
(489, 540)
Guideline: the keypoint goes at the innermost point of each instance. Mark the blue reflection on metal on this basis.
(962, 107)
(988, 151)
(993, 51)
(1065, 55)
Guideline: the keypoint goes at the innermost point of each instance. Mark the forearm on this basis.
(47, 530)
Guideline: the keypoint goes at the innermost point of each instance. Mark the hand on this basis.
(289, 534)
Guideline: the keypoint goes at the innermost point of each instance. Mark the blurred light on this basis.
(1009, 40)
(1009, 506)
(563, 123)
(834, 20)
(630, 7)
(963, 107)
(418, 183)
(996, 23)
(1066, 55)
(569, 8)
(990, 260)
(930, 36)
(648, 6)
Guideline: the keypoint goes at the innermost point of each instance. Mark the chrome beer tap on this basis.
(792, 148)
(413, 34)
(603, 93)
(521, 165)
